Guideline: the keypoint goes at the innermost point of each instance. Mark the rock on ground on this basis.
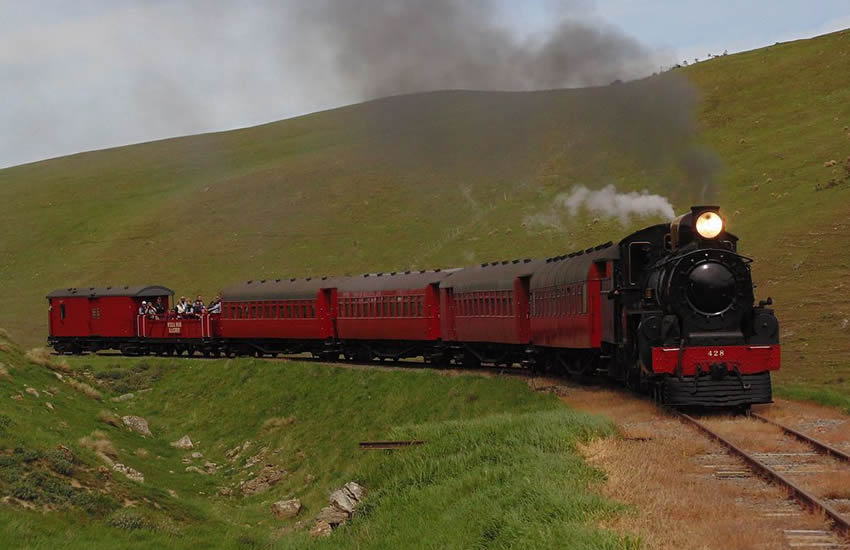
(332, 515)
(286, 508)
(137, 424)
(32, 391)
(122, 397)
(341, 499)
(267, 477)
(355, 490)
(342, 502)
(183, 443)
(321, 529)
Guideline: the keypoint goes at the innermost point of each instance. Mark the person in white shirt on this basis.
(182, 306)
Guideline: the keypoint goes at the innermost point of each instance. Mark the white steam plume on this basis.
(609, 203)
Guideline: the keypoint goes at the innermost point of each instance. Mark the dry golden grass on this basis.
(4, 373)
(278, 422)
(42, 357)
(755, 436)
(99, 442)
(834, 485)
(660, 467)
(142, 453)
(109, 417)
(680, 507)
(826, 424)
(84, 388)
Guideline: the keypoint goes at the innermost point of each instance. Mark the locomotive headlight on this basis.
(709, 225)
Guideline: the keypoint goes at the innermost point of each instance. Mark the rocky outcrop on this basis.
(270, 475)
(286, 508)
(184, 443)
(342, 504)
(137, 424)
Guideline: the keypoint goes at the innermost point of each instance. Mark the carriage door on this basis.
(327, 312)
(94, 316)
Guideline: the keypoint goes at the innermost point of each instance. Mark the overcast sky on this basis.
(92, 74)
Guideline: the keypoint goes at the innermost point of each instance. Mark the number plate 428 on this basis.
(716, 353)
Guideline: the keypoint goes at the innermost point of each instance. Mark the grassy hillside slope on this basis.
(489, 441)
(446, 179)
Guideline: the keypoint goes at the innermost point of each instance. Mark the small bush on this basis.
(54, 490)
(127, 519)
(59, 463)
(12, 473)
(94, 504)
(3, 372)
(24, 490)
(27, 454)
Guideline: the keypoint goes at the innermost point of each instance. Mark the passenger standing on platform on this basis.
(198, 306)
(182, 306)
(215, 305)
(143, 309)
(160, 309)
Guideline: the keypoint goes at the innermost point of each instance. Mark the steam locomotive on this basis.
(669, 310)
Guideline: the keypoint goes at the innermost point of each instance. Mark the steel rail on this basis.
(819, 445)
(806, 498)
(375, 445)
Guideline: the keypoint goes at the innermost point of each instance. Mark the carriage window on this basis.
(312, 310)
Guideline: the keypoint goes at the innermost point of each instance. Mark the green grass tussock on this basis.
(44, 358)
(824, 396)
(501, 481)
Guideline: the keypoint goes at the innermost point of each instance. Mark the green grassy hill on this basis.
(499, 467)
(446, 179)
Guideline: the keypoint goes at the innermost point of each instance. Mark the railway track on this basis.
(823, 454)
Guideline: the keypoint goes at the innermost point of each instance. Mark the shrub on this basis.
(27, 454)
(94, 504)
(54, 490)
(59, 463)
(24, 490)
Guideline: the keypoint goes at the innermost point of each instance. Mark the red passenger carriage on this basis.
(391, 315)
